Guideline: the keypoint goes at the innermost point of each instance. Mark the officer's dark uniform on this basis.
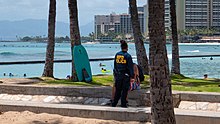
(123, 70)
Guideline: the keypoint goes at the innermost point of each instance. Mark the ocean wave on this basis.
(169, 56)
(8, 53)
(193, 51)
(199, 44)
(62, 53)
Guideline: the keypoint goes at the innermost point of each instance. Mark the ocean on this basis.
(31, 51)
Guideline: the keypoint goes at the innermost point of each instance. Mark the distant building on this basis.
(121, 23)
(106, 23)
(191, 14)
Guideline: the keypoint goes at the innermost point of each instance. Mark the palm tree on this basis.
(175, 47)
(162, 110)
(74, 32)
(139, 44)
(48, 68)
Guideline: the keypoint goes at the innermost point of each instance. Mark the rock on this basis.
(88, 101)
(49, 98)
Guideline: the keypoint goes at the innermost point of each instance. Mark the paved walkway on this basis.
(55, 99)
(187, 105)
(205, 106)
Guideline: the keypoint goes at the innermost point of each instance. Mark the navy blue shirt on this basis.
(123, 63)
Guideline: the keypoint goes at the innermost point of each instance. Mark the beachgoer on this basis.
(68, 77)
(100, 64)
(205, 76)
(136, 82)
(124, 73)
(10, 75)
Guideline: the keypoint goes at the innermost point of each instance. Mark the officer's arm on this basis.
(115, 69)
(130, 66)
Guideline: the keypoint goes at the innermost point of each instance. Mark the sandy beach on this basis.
(27, 117)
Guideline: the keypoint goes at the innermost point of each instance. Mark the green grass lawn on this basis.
(182, 83)
(101, 80)
(179, 83)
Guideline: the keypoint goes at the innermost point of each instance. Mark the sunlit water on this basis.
(25, 51)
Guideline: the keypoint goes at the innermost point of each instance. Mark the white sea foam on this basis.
(193, 51)
(199, 43)
(169, 56)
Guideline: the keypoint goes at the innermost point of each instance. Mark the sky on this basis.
(14, 10)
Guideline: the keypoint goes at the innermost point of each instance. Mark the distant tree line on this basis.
(42, 39)
(57, 39)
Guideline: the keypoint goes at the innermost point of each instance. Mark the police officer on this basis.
(123, 71)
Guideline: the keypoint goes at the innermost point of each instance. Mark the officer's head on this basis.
(124, 45)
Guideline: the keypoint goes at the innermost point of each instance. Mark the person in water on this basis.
(124, 73)
(100, 64)
(10, 75)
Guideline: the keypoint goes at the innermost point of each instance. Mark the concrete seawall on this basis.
(109, 113)
(138, 113)
(141, 97)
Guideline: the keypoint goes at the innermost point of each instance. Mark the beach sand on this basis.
(27, 117)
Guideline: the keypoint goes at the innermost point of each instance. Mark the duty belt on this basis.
(123, 73)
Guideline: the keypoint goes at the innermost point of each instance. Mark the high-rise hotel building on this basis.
(193, 14)
(190, 14)
(117, 23)
(198, 13)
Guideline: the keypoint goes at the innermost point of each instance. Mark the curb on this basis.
(84, 111)
(109, 113)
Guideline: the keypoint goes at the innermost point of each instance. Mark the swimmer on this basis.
(25, 74)
(103, 69)
(10, 74)
(211, 58)
(4, 74)
(100, 64)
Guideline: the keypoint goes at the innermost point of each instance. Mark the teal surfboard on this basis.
(82, 65)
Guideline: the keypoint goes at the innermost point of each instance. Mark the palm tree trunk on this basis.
(162, 110)
(175, 48)
(139, 44)
(48, 68)
(74, 32)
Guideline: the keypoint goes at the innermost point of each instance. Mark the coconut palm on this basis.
(139, 44)
(175, 47)
(74, 32)
(48, 68)
(160, 84)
